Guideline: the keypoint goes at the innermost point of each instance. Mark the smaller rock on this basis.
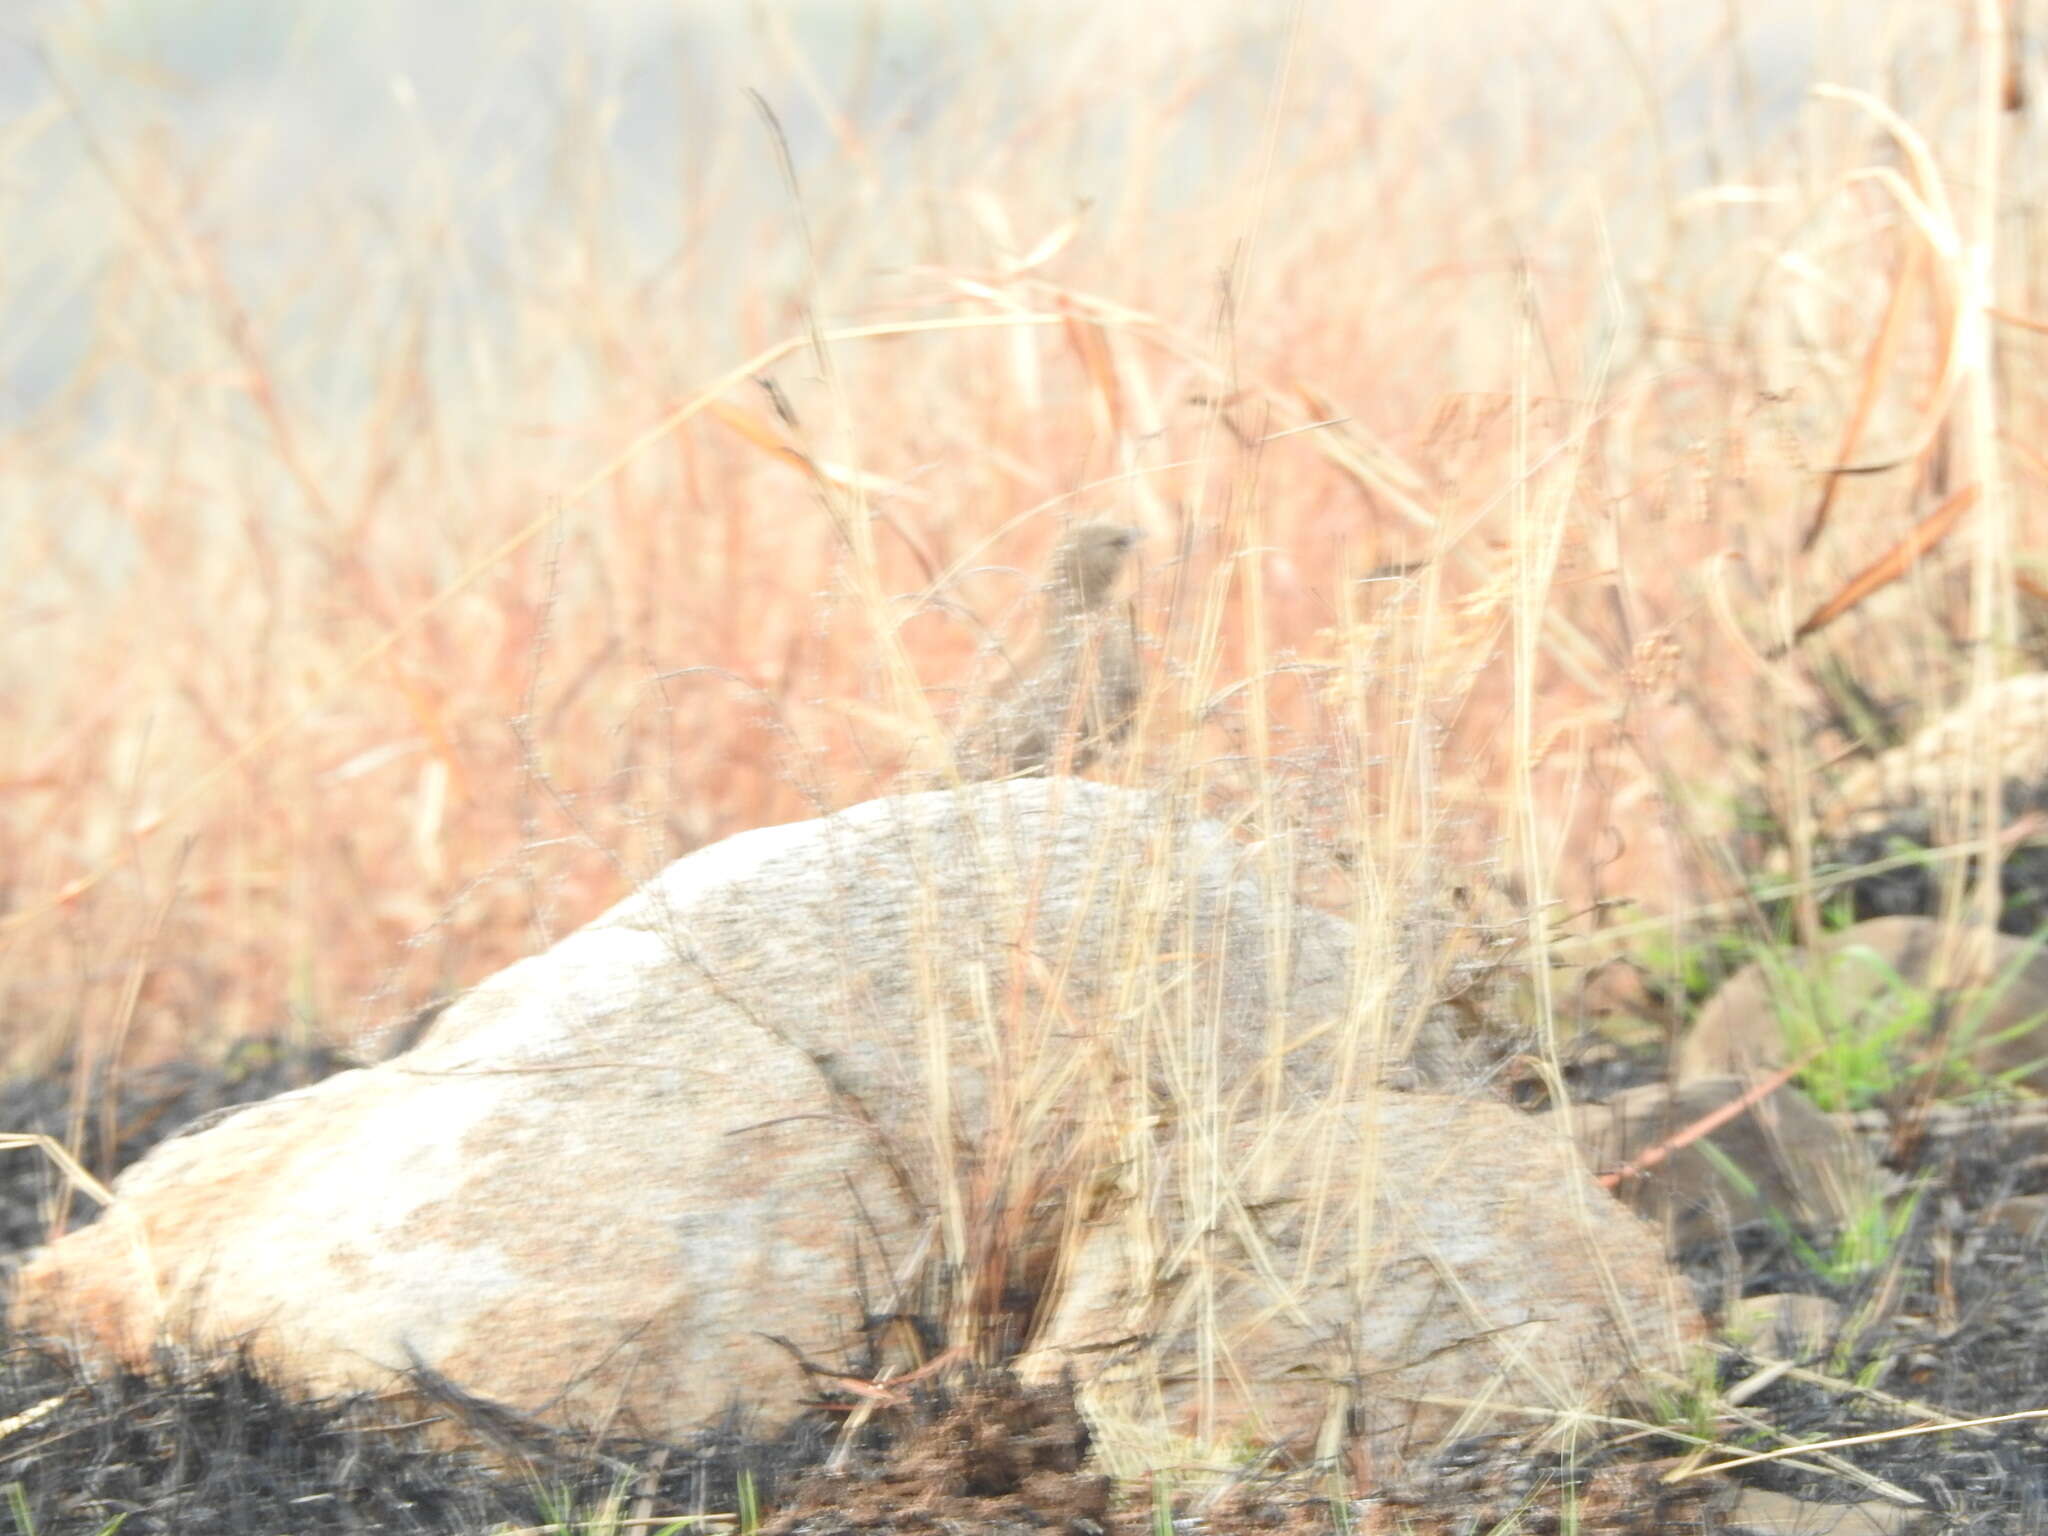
(1389, 1271)
(1786, 1324)
(1891, 975)
(1761, 1512)
(1787, 1158)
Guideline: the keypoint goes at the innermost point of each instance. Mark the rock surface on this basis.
(1387, 1269)
(1895, 980)
(628, 1180)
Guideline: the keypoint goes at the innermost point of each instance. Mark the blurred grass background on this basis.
(426, 509)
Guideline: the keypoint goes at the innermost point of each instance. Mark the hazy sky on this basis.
(346, 109)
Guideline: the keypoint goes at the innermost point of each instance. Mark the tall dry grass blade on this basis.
(1993, 609)
(1055, 240)
(1893, 563)
(1708, 1123)
(33, 1414)
(756, 429)
(1925, 202)
(1877, 369)
(822, 473)
(2015, 318)
(58, 1154)
(1784, 1452)
(1091, 346)
(2013, 96)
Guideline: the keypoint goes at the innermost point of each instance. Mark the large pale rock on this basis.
(609, 1175)
(1910, 985)
(1394, 1269)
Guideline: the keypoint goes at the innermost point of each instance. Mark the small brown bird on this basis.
(1080, 683)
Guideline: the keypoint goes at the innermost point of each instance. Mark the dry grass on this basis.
(375, 579)
(402, 568)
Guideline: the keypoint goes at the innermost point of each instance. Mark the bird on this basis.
(1078, 689)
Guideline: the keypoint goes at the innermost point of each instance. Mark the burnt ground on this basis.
(1956, 1320)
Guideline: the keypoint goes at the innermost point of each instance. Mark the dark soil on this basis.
(986, 1455)
(1915, 888)
(1957, 1320)
(220, 1452)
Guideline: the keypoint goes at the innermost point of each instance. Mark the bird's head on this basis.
(1090, 559)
